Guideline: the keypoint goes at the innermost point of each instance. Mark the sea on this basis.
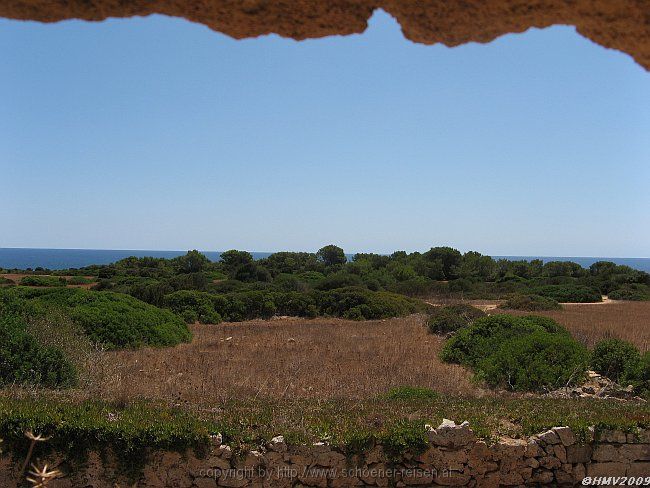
(26, 258)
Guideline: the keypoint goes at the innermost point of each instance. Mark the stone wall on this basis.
(454, 457)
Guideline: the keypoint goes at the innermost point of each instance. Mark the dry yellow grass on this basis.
(290, 358)
(328, 358)
(589, 323)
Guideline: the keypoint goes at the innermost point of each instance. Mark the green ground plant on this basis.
(80, 280)
(633, 292)
(112, 319)
(45, 281)
(411, 393)
(530, 303)
(449, 319)
(518, 353)
(570, 293)
(24, 359)
(535, 362)
(619, 360)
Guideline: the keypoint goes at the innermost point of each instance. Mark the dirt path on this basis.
(484, 305)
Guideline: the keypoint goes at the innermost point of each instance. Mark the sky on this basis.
(156, 133)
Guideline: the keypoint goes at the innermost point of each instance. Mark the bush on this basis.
(411, 393)
(43, 281)
(342, 279)
(419, 286)
(23, 360)
(547, 324)
(6, 281)
(631, 292)
(193, 306)
(444, 320)
(247, 305)
(535, 362)
(519, 353)
(569, 293)
(80, 280)
(362, 304)
(295, 304)
(619, 360)
(531, 303)
(643, 385)
(115, 320)
(351, 303)
(471, 344)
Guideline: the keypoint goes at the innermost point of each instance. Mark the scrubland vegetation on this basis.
(346, 340)
(36, 280)
(531, 303)
(591, 323)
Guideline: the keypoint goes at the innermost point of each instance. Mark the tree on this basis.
(449, 258)
(233, 258)
(252, 272)
(331, 255)
(477, 266)
(554, 269)
(192, 262)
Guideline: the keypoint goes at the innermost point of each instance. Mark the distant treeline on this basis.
(145, 301)
(439, 271)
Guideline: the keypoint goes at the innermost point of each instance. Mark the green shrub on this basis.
(115, 320)
(311, 277)
(643, 384)
(444, 320)
(570, 293)
(6, 281)
(295, 304)
(80, 280)
(419, 286)
(227, 286)
(193, 306)
(634, 292)
(246, 305)
(535, 362)
(411, 393)
(350, 303)
(519, 353)
(36, 280)
(547, 324)
(341, 279)
(531, 303)
(471, 344)
(619, 360)
(23, 359)
(362, 304)
(288, 282)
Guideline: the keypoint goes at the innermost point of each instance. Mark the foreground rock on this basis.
(454, 457)
(597, 386)
(620, 24)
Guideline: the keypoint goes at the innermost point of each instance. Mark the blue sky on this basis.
(156, 133)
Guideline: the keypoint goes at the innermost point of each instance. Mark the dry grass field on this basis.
(290, 358)
(589, 323)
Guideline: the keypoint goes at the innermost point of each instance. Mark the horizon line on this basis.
(347, 253)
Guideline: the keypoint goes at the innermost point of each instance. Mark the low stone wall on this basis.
(454, 457)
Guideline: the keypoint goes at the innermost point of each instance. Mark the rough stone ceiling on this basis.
(616, 24)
